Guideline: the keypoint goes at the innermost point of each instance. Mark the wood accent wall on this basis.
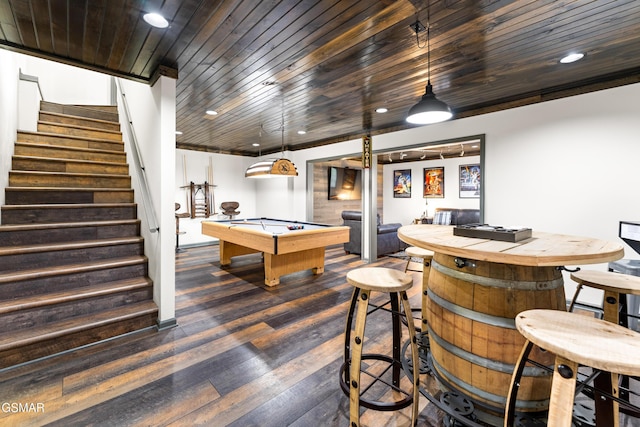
(328, 211)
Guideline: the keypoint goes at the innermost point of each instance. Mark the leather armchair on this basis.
(388, 241)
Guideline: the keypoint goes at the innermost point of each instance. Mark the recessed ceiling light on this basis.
(212, 112)
(178, 132)
(381, 110)
(255, 144)
(572, 57)
(156, 20)
(302, 132)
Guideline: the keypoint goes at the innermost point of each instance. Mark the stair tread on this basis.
(72, 126)
(67, 206)
(65, 147)
(51, 298)
(44, 226)
(61, 246)
(82, 174)
(13, 339)
(57, 159)
(81, 138)
(16, 188)
(73, 116)
(70, 268)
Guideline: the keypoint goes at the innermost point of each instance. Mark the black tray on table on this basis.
(492, 232)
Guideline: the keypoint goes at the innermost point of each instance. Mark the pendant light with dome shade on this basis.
(429, 109)
(273, 167)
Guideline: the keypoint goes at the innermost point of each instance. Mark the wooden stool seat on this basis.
(614, 285)
(575, 340)
(394, 283)
(415, 252)
(380, 279)
(585, 340)
(608, 281)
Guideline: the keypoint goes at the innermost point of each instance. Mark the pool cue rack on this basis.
(200, 199)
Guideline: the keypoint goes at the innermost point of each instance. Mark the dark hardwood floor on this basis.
(242, 354)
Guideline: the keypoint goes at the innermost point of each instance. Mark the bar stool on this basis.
(395, 283)
(575, 340)
(178, 232)
(415, 252)
(615, 286)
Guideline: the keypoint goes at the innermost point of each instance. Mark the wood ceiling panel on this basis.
(24, 21)
(108, 31)
(59, 27)
(91, 40)
(333, 61)
(76, 14)
(42, 23)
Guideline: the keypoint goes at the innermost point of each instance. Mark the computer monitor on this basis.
(629, 232)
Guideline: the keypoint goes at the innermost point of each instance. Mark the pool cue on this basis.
(258, 223)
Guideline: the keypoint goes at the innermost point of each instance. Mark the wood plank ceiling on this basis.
(324, 66)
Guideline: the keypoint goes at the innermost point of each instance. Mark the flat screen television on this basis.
(345, 183)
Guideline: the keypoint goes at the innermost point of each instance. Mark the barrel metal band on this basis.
(488, 319)
(501, 400)
(494, 365)
(498, 283)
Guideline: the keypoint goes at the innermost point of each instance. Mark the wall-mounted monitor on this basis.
(345, 183)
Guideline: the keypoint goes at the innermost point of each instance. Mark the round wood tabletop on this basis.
(541, 249)
(583, 339)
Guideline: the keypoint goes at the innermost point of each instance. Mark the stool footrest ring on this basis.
(376, 404)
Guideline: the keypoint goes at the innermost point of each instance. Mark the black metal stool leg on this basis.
(344, 380)
(397, 336)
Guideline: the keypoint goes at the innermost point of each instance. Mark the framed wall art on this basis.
(434, 182)
(402, 183)
(470, 181)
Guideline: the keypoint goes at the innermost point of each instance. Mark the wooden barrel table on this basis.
(475, 290)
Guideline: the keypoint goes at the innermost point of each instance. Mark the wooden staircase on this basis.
(72, 264)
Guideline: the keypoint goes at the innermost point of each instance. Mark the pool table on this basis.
(287, 246)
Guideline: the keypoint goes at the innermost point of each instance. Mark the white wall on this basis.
(152, 112)
(406, 210)
(8, 114)
(564, 166)
(230, 185)
(87, 87)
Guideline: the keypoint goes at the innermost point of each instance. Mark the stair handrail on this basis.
(33, 79)
(147, 203)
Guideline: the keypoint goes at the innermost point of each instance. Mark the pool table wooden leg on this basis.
(229, 250)
(281, 264)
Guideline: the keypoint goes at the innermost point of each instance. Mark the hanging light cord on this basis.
(428, 43)
(282, 128)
